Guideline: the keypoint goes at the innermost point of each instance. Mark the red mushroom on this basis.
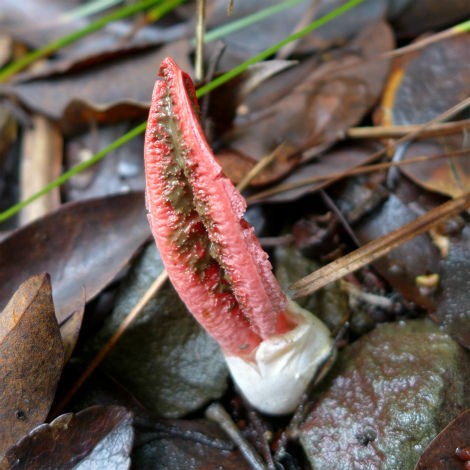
(214, 259)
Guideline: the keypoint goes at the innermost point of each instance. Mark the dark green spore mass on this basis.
(191, 227)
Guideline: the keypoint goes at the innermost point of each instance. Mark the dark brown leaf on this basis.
(332, 98)
(31, 359)
(450, 176)
(97, 437)
(421, 86)
(442, 453)
(109, 92)
(417, 17)
(83, 245)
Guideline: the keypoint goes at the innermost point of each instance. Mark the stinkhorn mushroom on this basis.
(214, 260)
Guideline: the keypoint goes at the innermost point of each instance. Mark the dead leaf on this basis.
(421, 86)
(83, 245)
(388, 396)
(122, 170)
(31, 359)
(97, 437)
(317, 112)
(414, 18)
(441, 454)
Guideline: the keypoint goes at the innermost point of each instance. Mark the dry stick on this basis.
(394, 132)
(217, 413)
(446, 34)
(262, 164)
(200, 31)
(378, 248)
(149, 294)
(331, 177)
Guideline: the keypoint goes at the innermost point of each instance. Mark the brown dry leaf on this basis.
(31, 359)
(421, 86)
(97, 437)
(83, 245)
(332, 98)
(450, 176)
(441, 454)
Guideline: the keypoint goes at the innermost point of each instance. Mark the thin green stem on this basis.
(463, 27)
(200, 92)
(53, 46)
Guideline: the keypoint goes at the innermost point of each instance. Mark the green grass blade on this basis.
(88, 9)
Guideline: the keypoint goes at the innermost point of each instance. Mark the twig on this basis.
(377, 248)
(217, 413)
(392, 132)
(262, 164)
(329, 178)
(200, 31)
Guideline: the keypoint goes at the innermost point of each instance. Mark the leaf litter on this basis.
(80, 264)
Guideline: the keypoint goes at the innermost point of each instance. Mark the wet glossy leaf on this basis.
(391, 393)
(31, 359)
(441, 454)
(82, 245)
(97, 437)
(165, 359)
